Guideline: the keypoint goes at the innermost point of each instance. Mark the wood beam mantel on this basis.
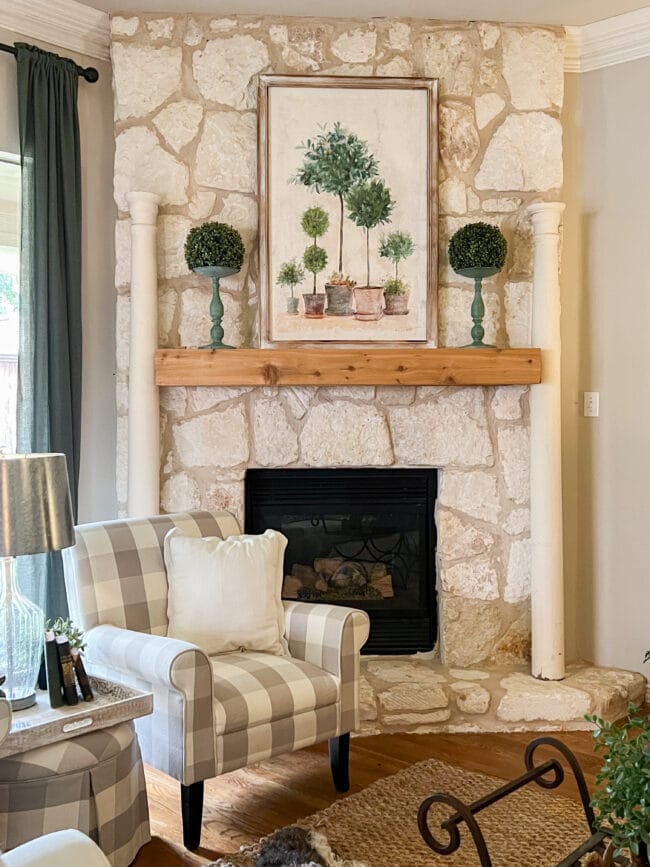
(309, 366)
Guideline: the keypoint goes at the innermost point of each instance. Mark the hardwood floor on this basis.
(242, 806)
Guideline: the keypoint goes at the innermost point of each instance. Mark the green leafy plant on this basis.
(369, 205)
(395, 286)
(622, 801)
(334, 162)
(66, 627)
(337, 279)
(214, 244)
(477, 245)
(290, 274)
(315, 222)
(315, 259)
(396, 246)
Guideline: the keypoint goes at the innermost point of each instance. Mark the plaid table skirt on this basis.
(94, 782)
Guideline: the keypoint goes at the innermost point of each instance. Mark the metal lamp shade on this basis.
(35, 509)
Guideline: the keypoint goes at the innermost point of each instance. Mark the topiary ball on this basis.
(214, 244)
(477, 245)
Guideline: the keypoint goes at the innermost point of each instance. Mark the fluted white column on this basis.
(547, 590)
(144, 426)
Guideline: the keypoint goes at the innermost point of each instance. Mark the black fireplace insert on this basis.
(359, 537)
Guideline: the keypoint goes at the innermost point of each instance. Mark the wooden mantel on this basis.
(309, 366)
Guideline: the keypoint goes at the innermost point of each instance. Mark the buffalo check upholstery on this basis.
(93, 782)
(211, 714)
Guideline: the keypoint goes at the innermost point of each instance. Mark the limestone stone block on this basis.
(488, 106)
(122, 459)
(307, 42)
(454, 319)
(474, 701)
(489, 34)
(517, 522)
(141, 164)
(167, 302)
(160, 28)
(226, 497)
(515, 643)
(412, 697)
(453, 58)
(299, 399)
(172, 232)
(529, 699)
(458, 539)
(206, 397)
(195, 322)
(506, 402)
(345, 434)
(468, 674)
(180, 493)
(355, 46)
(297, 61)
(473, 201)
(611, 689)
(122, 252)
(367, 700)
(361, 70)
(421, 433)
(399, 67)
(216, 439)
(122, 392)
(459, 139)
(514, 450)
(226, 69)
(241, 212)
(474, 493)
(533, 66)
(342, 392)
(518, 574)
(501, 204)
(173, 399)
(512, 159)
(193, 32)
(489, 73)
(178, 123)
(226, 156)
(453, 196)
(407, 671)
(396, 395)
(416, 719)
(121, 26)
(469, 630)
(144, 76)
(202, 204)
(275, 441)
(472, 579)
(279, 33)
(122, 331)
(518, 310)
(219, 25)
(399, 36)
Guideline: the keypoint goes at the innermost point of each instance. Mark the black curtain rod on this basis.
(90, 73)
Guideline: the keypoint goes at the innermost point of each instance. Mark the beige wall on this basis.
(606, 312)
(97, 483)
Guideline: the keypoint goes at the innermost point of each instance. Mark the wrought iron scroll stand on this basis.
(465, 813)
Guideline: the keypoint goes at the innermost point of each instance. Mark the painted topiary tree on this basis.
(369, 205)
(396, 246)
(315, 260)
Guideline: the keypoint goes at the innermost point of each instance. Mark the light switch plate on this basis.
(591, 404)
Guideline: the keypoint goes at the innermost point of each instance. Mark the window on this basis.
(9, 289)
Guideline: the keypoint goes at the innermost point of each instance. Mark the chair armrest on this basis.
(330, 637)
(5, 718)
(178, 738)
(68, 848)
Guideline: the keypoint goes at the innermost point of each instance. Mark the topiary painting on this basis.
(315, 259)
(369, 205)
(214, 244)
(477, 245)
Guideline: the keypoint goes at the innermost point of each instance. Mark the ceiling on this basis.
(533, 11)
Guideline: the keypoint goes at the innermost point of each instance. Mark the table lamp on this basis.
(35, 517)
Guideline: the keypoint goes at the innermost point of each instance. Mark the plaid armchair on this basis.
(211, 715)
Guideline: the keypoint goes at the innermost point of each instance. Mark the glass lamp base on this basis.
(23, 703)
(21, 639)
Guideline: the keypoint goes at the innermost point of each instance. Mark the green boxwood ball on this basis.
(214, 244)
(477, 245)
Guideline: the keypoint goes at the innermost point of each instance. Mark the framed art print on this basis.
(348, 210)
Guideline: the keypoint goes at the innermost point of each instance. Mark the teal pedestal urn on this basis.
(478, 307)
(216, 272)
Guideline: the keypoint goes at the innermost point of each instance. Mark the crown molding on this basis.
(64, 23)
(608, 42)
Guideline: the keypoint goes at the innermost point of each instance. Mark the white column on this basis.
(547, 590)
(144, 426)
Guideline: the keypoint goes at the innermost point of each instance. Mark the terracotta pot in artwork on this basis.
(396, 304)
(367, 301)
(314, 305)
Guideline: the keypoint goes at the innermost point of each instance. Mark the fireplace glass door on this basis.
(358, 537)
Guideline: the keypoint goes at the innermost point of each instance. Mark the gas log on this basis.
(337, 578)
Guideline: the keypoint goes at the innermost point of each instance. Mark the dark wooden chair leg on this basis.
(339, 749)
(192, 809)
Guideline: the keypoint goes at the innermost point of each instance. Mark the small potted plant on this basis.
(478, 250)
(396, 246)
(339, 295)
(621, 801)
(214, 250)
(315, 223)
(291, 274)
(369, 205)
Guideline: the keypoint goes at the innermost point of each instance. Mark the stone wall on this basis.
(185, 99)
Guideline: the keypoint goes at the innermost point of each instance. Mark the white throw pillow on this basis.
(225, 594)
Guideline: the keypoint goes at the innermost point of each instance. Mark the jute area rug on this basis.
(378, 826)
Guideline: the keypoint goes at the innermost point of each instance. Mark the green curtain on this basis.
(49, 356)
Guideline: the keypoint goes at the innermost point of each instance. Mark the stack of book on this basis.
(64, 668)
